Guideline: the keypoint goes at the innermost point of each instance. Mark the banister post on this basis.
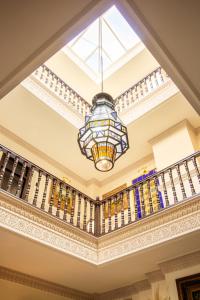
(97, 229)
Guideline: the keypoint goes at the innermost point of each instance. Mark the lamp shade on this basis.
(104, 138)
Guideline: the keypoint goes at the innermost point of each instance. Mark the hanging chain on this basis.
(100, 52)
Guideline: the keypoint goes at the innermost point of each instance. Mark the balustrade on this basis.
(62, 90)
(44, 191)
(141, 89)
(137, 92)
(152, 194)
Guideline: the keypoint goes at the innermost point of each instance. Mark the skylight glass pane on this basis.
(92, 33)
(121, 28)
(83, 48)
(118, 44)
(93, 62)
(110, 44)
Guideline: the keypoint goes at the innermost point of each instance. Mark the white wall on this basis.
(174, 144)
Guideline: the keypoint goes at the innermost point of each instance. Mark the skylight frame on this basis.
(114, 65)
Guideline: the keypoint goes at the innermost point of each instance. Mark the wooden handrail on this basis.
(41, 189)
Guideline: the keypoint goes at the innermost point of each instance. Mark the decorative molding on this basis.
(22, 218)
(41, 284)
(150, 222)
(180, 263)
(126, 291)
(26, 220)
(197, 130)
(165, 227)
(35, 214)
(152, 277)
(149, 102)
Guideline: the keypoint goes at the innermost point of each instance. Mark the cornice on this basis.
(41, 217)
(142, 285)
(160, 218)
(41, 284)
(37, 225)
(175, 264)
(173, 223)
(152, 277)
(117, 293)
(22, 218)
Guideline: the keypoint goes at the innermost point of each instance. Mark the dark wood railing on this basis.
(151, 194)
(146, 196)
(45, 191)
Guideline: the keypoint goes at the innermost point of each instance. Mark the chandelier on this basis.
(103, 138)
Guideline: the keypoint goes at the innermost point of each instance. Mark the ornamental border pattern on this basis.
(25, 220)
(41, 284)
(49, 237)
(167, 215)
(22, 208)
(166, 232)
(164, 226)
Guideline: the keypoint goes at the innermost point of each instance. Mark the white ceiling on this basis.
(27, 256)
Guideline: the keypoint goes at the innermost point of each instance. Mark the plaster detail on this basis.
(44, 285)
(35, 214)
(158, 219)
(151, 237)
(166, 225)
(126, 291)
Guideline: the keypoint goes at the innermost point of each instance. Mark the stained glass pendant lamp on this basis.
(103, 138)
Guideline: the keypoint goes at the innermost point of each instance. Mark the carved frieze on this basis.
(166, 225)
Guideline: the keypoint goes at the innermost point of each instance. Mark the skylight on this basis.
(120, 43)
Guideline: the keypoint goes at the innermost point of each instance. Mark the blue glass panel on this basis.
(137, 196)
